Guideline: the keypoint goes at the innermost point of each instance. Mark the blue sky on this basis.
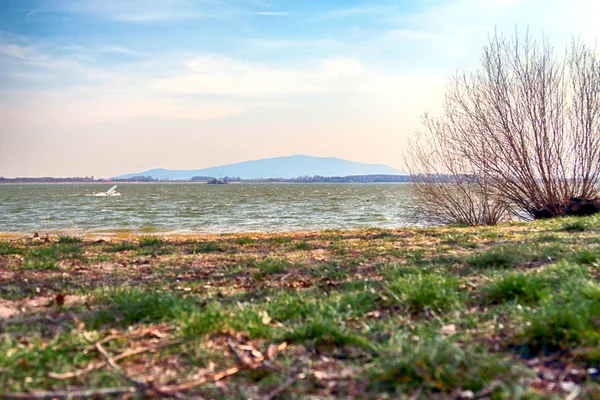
(104, 87)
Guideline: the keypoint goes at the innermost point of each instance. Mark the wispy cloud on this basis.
(18, 51)
(271, 13)
(72, 65)
(108, 48)
(220, 75)
(411, 34)
(117, 10)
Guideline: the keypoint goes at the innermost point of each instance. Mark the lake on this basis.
(200, 208)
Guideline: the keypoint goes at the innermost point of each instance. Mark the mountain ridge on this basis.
(276, 167)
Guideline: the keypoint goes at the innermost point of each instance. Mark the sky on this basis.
(107, 87)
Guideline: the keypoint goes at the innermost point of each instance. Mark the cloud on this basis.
(354, 11)
(144, 11)
(41, 109)
(29, 76)
(17, 51)
(73, 66)
(108, 49)
(149, 17)
(221, 75)
(272, 13)
(458, 17)
(410, 34)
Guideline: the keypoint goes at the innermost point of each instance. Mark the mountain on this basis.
(279, 167)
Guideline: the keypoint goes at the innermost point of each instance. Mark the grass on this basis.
(243, 241)
(7, 249)
(269, 267)
(426, 313)
(497, 257)
(62, 239)
(419, 292)
(209, 247)
(516, 287)
(302, 245)
(440, 365)
(575, 225)
(150, 241)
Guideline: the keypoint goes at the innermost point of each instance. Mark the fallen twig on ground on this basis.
(101, 364)
(140, 385)
(277, 391)
(215, 377)
(69, 394)
(488, 390)
(416, 394)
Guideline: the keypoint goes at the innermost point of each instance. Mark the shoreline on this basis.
(174, 235)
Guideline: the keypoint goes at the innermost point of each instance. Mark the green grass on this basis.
(121, 247)
(427, 313)
(270, 266)
(209, 247)
(419, 292)
(321, 333)
(568, 318)
(150, 241)
(151, 245)
(69, 239)
(54, 251)
(131, 306)
(40, 265)
(7, 249)
(281, 240)
(439, 365)
(575, 225)
(516, 287)
(244, 241)
(302, 245)
(500, 257)
(586, 256)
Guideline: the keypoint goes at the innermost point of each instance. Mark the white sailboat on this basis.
(110, 192)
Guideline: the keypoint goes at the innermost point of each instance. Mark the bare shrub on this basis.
(526, 126)
(446, 185)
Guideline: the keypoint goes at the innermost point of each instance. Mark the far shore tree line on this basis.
(518, 138)
(382, 178)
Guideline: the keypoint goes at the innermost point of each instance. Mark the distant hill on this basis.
(279, 167)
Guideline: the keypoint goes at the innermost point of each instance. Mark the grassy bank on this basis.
(498, 312)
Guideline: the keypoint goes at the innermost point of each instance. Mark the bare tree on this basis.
(526, 125)
(447, 187)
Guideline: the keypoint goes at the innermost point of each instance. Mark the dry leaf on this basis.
(266, 319)
(60, 299)
(449, 329)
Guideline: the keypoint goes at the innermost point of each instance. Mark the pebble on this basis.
(568, 386)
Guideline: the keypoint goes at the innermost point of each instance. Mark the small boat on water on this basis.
(109, 193)
(217, 182)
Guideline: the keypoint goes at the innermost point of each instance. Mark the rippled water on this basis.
(200, 208)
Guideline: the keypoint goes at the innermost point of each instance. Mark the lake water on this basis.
(201, 208)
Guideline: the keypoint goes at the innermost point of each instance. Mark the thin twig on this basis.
(416, 394)
(239, 356)
(69, 394)
(215, 377)
(277, 391)
(101, 364)
(140, 385)
(200, 381)
(488, 390)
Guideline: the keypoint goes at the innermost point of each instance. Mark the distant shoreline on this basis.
(186, 182)
(317, 179)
